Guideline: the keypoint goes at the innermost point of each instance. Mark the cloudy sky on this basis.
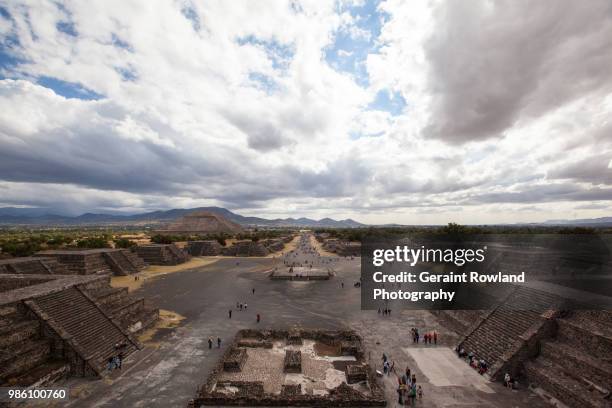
(394, 111)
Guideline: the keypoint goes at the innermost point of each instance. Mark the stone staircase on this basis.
(132, 313)
(459, 321)
(203, 248)
(26, 357)
(134, 259)
(83, 325)
(576, 366)
(123, 264)
(501, 328)
(161, 254)
(31, 266)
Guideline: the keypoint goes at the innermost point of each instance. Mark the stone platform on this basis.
(302, 273)
(313, 373)
(96, 261)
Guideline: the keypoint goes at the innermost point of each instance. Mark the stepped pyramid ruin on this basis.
(201, 222)
(54, 326)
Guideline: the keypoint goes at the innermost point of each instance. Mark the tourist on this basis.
(412, 393)
(111, 363)
(210, 342)
(245, 306)
(218, 342)
(230, 313)
(241, 306)
(258, 318)
(119, 360)
(507, 380)
(400, 391)
(435, 337)
(253, 290)
(482, 367)
(420, 392)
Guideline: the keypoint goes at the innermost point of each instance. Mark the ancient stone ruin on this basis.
(161, 254)
(32, 265)
(96, 261)
(294, 367)
(53, 326)
(567, 354)
(246, 248)
(204, 248)
(339, 246)
(238, 248)
(201, 222)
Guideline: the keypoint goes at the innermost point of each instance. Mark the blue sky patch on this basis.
(118, 42)
(280, 54)
(68, 90)
(263, 82)
(127, 74)
(385, 100)
(191, 14)
(67, 27)
(350, 49)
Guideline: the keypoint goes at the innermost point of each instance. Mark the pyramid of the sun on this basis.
(202, 222)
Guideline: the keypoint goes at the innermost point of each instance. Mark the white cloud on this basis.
(242, 109)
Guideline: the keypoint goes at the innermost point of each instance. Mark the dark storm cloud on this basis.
(543, 194)
(262, 135)
(493, 63)
(98, 158)
(595, 169)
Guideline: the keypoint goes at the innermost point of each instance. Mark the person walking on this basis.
(258, 317)
(229, 312)
(210, 342)
(218, 342)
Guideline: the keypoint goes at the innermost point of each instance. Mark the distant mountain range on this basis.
(603, 221)
(44, 217)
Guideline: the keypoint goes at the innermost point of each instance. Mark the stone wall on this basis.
(252, 393)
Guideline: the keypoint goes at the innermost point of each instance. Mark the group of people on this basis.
(385, 312)
(115, 361)
(479, 365)
(407, 390)
(428, 337)
(210, 342)
(243, 306)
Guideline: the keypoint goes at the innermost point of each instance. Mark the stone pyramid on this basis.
(203, 222)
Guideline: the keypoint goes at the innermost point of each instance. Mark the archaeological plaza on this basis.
(277, 322)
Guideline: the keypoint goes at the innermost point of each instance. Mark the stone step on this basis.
(581, 364)
(9, 353)
(90, 328)
(37, 354)
(588, 337)
(41, 375)
(18, 332)
(567, 389)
